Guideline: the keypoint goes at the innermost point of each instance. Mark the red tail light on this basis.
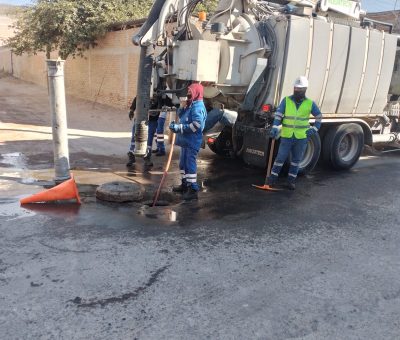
(267, 108)
(210, 140)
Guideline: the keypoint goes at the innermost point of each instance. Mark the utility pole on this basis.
(55, 72)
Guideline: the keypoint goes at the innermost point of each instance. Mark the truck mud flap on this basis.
(255, 147)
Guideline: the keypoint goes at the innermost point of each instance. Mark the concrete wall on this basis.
(107, 74)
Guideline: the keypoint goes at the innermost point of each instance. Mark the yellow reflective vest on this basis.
(296, 121)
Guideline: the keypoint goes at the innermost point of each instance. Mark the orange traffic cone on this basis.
(64, 191)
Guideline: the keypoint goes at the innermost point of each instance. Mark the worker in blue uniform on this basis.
(189, 132)
(156, 123)
(182, 188)
(293, 114)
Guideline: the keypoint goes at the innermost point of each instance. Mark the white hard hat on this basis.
(301, 82)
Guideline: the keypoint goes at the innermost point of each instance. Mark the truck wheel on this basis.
(343, 145)
(311, 155)
(310, 158)
(223, 144)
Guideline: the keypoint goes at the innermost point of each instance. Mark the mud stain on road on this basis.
(89, 303)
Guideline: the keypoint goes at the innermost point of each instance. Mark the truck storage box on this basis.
(196, 60)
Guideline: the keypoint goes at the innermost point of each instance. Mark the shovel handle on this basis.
(271, 155)
(171, 151)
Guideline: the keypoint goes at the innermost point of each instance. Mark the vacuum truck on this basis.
(247, 55)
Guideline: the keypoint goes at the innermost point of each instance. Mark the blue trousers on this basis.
(132, 145)
(156, 128)
(152, 127)
(188, 167)
(294, 147)
(160, 131)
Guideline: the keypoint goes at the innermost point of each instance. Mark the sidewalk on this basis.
(99, 138)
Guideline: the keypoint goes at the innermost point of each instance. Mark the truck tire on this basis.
(310, 158)
(311, 155)
(342, 146)
(223, 143)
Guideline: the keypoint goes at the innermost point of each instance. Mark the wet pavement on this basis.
(322, 262)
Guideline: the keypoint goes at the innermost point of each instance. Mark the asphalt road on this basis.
(322, 262)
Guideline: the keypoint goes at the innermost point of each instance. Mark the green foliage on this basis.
(208, 6)
(70, 26)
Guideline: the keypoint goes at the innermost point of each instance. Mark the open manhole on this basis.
(158, 212)
(160, 203)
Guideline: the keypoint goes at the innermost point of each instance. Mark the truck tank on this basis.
(248, 54)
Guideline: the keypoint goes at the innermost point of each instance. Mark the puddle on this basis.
(63, 209)
(158, 213)
(14, 160)
(11, 210)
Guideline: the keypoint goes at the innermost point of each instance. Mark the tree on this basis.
(70, 26)
(73, 26)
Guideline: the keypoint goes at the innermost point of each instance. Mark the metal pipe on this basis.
(55, 72)
(151, 19)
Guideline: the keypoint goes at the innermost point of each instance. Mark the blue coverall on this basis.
(189, 138)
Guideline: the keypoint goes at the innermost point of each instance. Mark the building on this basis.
(391, 17)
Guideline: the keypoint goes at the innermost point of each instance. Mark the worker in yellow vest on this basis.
(294, 114)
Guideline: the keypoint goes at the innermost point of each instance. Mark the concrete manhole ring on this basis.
(120, 192)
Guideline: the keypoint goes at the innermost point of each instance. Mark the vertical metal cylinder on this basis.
(143, 97)
(55, 72)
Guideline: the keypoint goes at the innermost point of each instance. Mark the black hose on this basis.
(270, 38)
(151, 19)
(160, 92)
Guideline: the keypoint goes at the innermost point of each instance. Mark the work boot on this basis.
(291, 185)
(147, 159)
(190, 195)
(182, 188)
(272, 181)
(131, 158)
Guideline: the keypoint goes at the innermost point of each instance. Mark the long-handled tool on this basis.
(171, 151)
(266, 186)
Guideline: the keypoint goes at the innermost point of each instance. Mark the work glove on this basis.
(311, 131)
(175, 127)
(131, 114)
(274, 133)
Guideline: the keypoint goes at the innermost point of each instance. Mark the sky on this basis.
(368, 5)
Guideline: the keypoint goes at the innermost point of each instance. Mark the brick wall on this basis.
(107, 74)
(391, 17)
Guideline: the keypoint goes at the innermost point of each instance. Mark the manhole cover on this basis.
(120, 192)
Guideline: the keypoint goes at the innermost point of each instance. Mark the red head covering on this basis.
(196, 90)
